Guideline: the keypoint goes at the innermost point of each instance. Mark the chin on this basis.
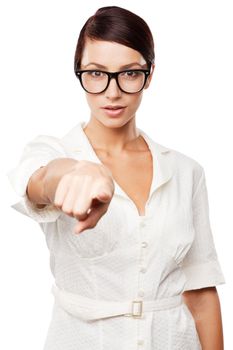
(116, 122)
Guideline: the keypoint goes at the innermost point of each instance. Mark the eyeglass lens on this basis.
(130, 81)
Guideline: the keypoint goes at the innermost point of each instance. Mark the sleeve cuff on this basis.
(203, 275)
(47, 214)
(19, 180)
(19, 176)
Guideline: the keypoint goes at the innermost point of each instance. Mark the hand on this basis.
(85, 193)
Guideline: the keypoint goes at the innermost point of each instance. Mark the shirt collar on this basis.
(78, 144)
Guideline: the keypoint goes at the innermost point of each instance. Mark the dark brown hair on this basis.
(115, 24)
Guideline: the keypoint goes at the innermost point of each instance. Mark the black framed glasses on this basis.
(130, 81)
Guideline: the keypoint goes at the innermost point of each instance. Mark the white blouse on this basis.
(119, 285)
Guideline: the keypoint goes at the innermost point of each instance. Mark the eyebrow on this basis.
(126, 66)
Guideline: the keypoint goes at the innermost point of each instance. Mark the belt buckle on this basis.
(138, 313)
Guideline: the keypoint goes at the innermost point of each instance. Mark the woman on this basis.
(125, 218)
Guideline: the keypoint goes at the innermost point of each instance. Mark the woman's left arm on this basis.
(205, 307)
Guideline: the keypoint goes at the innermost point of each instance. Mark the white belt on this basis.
(92, 309)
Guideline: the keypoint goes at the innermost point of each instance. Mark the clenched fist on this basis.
(85, 193)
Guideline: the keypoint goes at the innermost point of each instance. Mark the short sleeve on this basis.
(200, 265)
(37, 153)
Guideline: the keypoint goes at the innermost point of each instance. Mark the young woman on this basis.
(125, 218)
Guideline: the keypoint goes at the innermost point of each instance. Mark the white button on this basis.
(140, 341)
(141, 293)
(144, 244)
(143, 269)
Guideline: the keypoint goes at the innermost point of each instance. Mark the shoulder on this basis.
(184, 165)
(183, 160)
(61, 144)
(45, 143)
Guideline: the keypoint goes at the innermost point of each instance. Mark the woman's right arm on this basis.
(81, 189)
(43, 183)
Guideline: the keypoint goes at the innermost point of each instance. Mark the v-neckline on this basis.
(118, 188)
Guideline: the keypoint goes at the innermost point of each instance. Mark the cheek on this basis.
(92, 101)
(134, 102)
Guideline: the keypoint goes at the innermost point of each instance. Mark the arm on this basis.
(42, 184)
(205, 307)
(67, 178)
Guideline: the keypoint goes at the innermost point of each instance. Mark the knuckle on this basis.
(64, 178)
(57, 203)
(67, 210)
(78, 213)
(103, 182)
(58, 206)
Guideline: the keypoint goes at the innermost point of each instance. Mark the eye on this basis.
(95, 74)
(131, 74)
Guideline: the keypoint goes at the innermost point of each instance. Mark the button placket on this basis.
(142, 227)
(142, 224)
(143, 268)
(144, 244)
(141, 293)
(143, 251)
(140, 342)
(144, 247)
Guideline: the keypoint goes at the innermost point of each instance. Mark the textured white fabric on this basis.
(37, 153)
(126, 256)
(88, 309)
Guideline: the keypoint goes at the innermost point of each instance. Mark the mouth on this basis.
(111, 107)
(113, 111)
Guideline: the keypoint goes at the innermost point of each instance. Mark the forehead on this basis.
(110, 54)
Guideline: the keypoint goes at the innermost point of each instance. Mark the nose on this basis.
(113, 90)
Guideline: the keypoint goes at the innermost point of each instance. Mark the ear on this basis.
(150, 77)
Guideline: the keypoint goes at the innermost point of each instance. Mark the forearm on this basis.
(43, 183)
(209, 327)
(207, 316)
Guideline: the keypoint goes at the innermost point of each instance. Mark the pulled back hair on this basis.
(116, 24)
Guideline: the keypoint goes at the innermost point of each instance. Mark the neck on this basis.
(113, 140)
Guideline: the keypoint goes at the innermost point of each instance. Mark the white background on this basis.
(188, 107)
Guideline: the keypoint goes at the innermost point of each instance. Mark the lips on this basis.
(114, 110)
(111, 107)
